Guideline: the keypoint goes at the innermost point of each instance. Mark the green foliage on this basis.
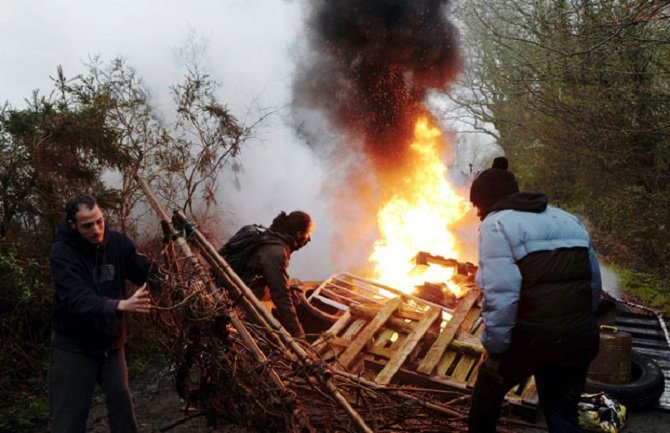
(94, 126)
(24, 310)
(206, 137)
(20, 277)
(650, 289)
(102, 123)
(143, 358)
(51, 152)
(24, 326)
(29, 413)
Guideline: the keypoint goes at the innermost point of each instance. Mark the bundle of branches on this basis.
(215, 370)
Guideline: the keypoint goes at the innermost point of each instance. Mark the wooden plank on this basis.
(346, 358)
(395, 322)
(475, 372)
(412, 378)
(353, 329)
(339, 341)
(343, 343)
(335, 329)
(433, 356)
(385, 376)
(384, 337)
(371, 310)
(467, 343)
(470, 319)
(349, 333)
(384, 352)
(442, 383)
(529, 394)
(479, 330)
(445, 362)
(463, 342)
(398, 343)
(463, 368)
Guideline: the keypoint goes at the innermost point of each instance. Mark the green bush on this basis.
(24, 325)
(30, 414)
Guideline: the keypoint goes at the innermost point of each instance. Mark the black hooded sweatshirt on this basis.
(89, 282)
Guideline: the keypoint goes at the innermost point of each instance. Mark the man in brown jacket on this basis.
(267, 266)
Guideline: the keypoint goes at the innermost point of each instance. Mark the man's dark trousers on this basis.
(558, 387)
(72, 379)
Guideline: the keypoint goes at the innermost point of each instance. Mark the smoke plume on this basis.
(365, 69)
(370, 65)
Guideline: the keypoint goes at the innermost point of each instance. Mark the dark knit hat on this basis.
(493, 184)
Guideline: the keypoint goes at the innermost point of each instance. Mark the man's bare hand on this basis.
(139, 302)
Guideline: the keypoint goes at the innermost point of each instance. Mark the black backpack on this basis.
(239, 248)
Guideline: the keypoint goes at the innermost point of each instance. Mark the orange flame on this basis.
(418, 218)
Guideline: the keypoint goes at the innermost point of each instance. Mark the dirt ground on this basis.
(160, 409)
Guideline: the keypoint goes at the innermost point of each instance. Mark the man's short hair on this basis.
(72, 206)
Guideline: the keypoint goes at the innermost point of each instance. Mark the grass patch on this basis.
(139, 363)
(652, 290)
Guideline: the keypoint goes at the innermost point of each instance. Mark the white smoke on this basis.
(610, 281)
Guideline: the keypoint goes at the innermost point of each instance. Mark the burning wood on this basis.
(234, 361)
(225, 372)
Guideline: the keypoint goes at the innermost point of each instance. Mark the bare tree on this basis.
(576, 93)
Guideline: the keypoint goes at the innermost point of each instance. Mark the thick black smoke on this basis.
(371, 63)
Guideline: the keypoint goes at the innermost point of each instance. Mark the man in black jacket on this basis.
(89, 266)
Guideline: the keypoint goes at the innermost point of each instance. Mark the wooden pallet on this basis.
(404, 340)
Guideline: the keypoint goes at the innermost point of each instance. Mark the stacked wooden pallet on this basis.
(401, 339)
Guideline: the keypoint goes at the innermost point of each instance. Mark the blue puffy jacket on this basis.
(539, 276)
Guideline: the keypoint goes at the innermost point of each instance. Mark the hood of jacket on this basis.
(522, 201)
(285, 238)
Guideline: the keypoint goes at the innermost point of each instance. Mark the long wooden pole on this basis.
(319, 370)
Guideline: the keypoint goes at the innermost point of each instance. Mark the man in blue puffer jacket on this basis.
(541, 286)
(89, 266)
